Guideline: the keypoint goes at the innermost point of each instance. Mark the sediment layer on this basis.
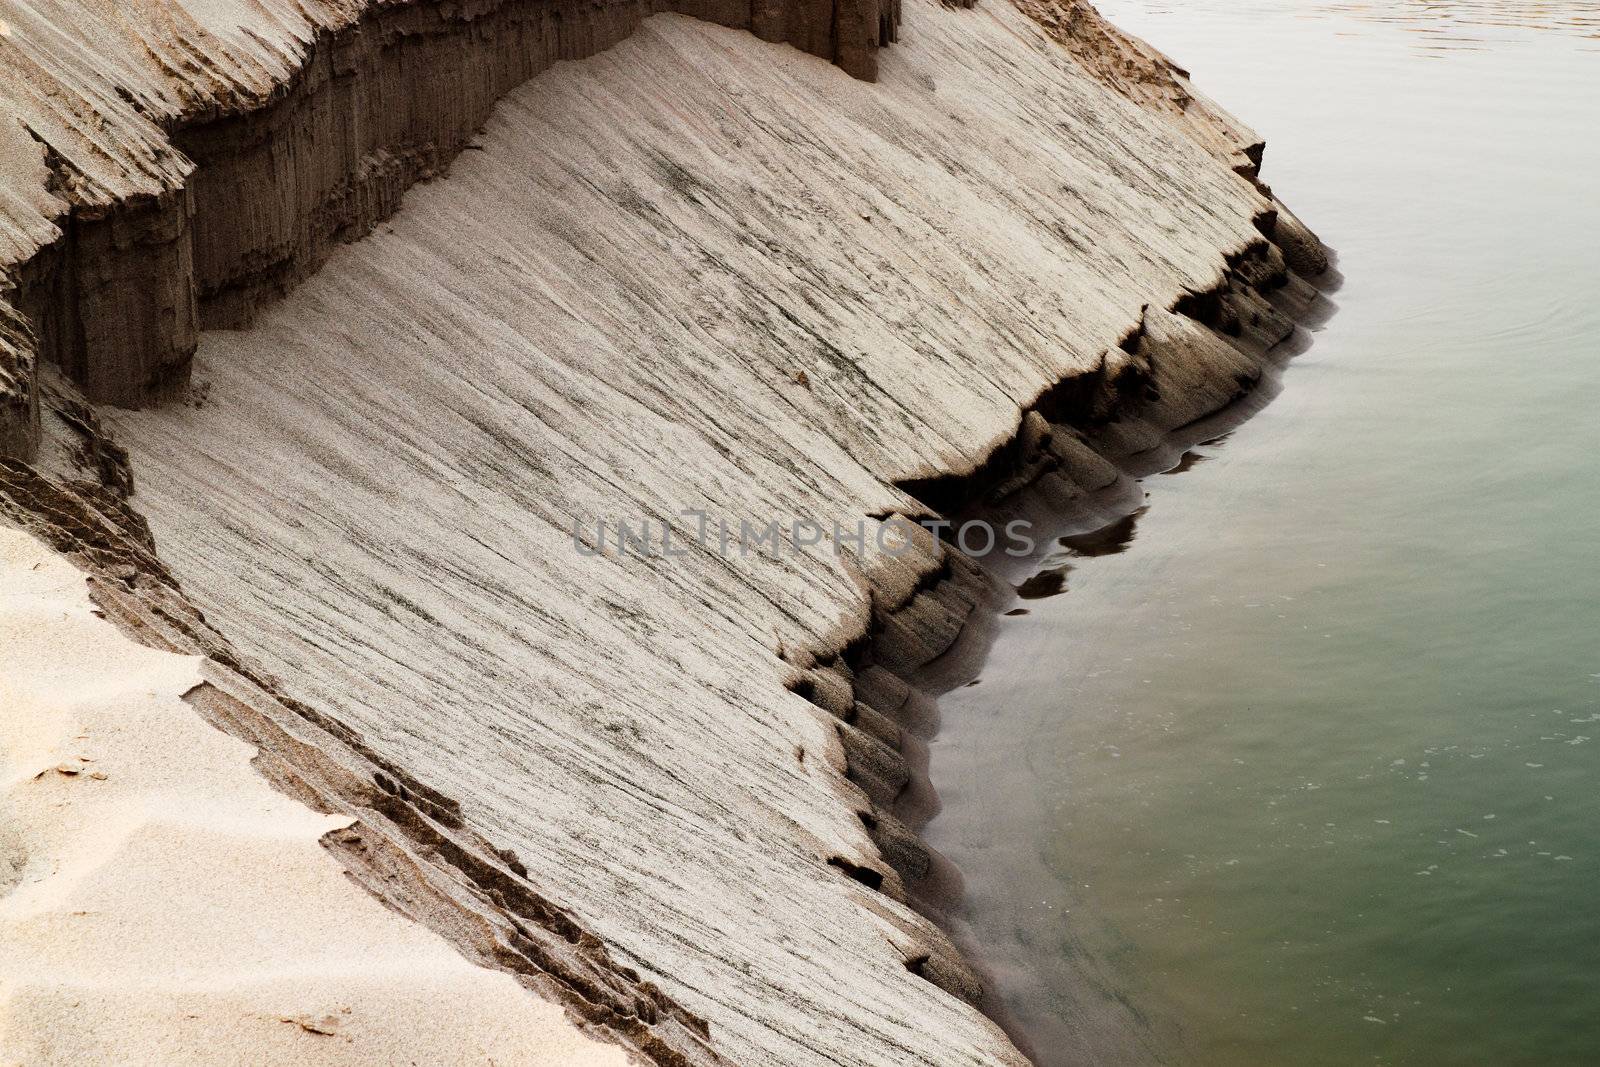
(694, 272)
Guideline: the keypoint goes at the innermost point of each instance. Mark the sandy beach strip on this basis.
(161, 903)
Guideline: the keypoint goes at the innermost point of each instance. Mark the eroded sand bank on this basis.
(693, 272)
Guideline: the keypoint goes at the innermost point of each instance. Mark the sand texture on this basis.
(173, 164)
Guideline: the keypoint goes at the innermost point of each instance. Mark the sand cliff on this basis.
(695, 271)
(170, 166)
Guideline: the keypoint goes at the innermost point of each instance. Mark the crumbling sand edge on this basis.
(406, 843)
(1177, 367)
(114, 795)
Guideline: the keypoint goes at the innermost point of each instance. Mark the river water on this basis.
(1303, 763)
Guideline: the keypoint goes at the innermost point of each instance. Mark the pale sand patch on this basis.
(161, 903)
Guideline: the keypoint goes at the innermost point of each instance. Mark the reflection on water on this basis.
(1459, 24)
(1110, 539)
(1304, 768)
(1435, 27)
(1188, 461)
(1050, 578)
(1050, 581)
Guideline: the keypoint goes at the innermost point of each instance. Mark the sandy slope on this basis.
(161, 904)
(694, 271)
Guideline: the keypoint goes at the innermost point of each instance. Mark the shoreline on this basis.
(883, 731)
(884, 686)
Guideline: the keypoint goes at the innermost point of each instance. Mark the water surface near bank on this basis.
(1303, 763)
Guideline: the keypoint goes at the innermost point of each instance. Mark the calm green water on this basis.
(1310, 772)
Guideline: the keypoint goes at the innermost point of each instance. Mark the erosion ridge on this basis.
(170, 169)
(984, 415)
